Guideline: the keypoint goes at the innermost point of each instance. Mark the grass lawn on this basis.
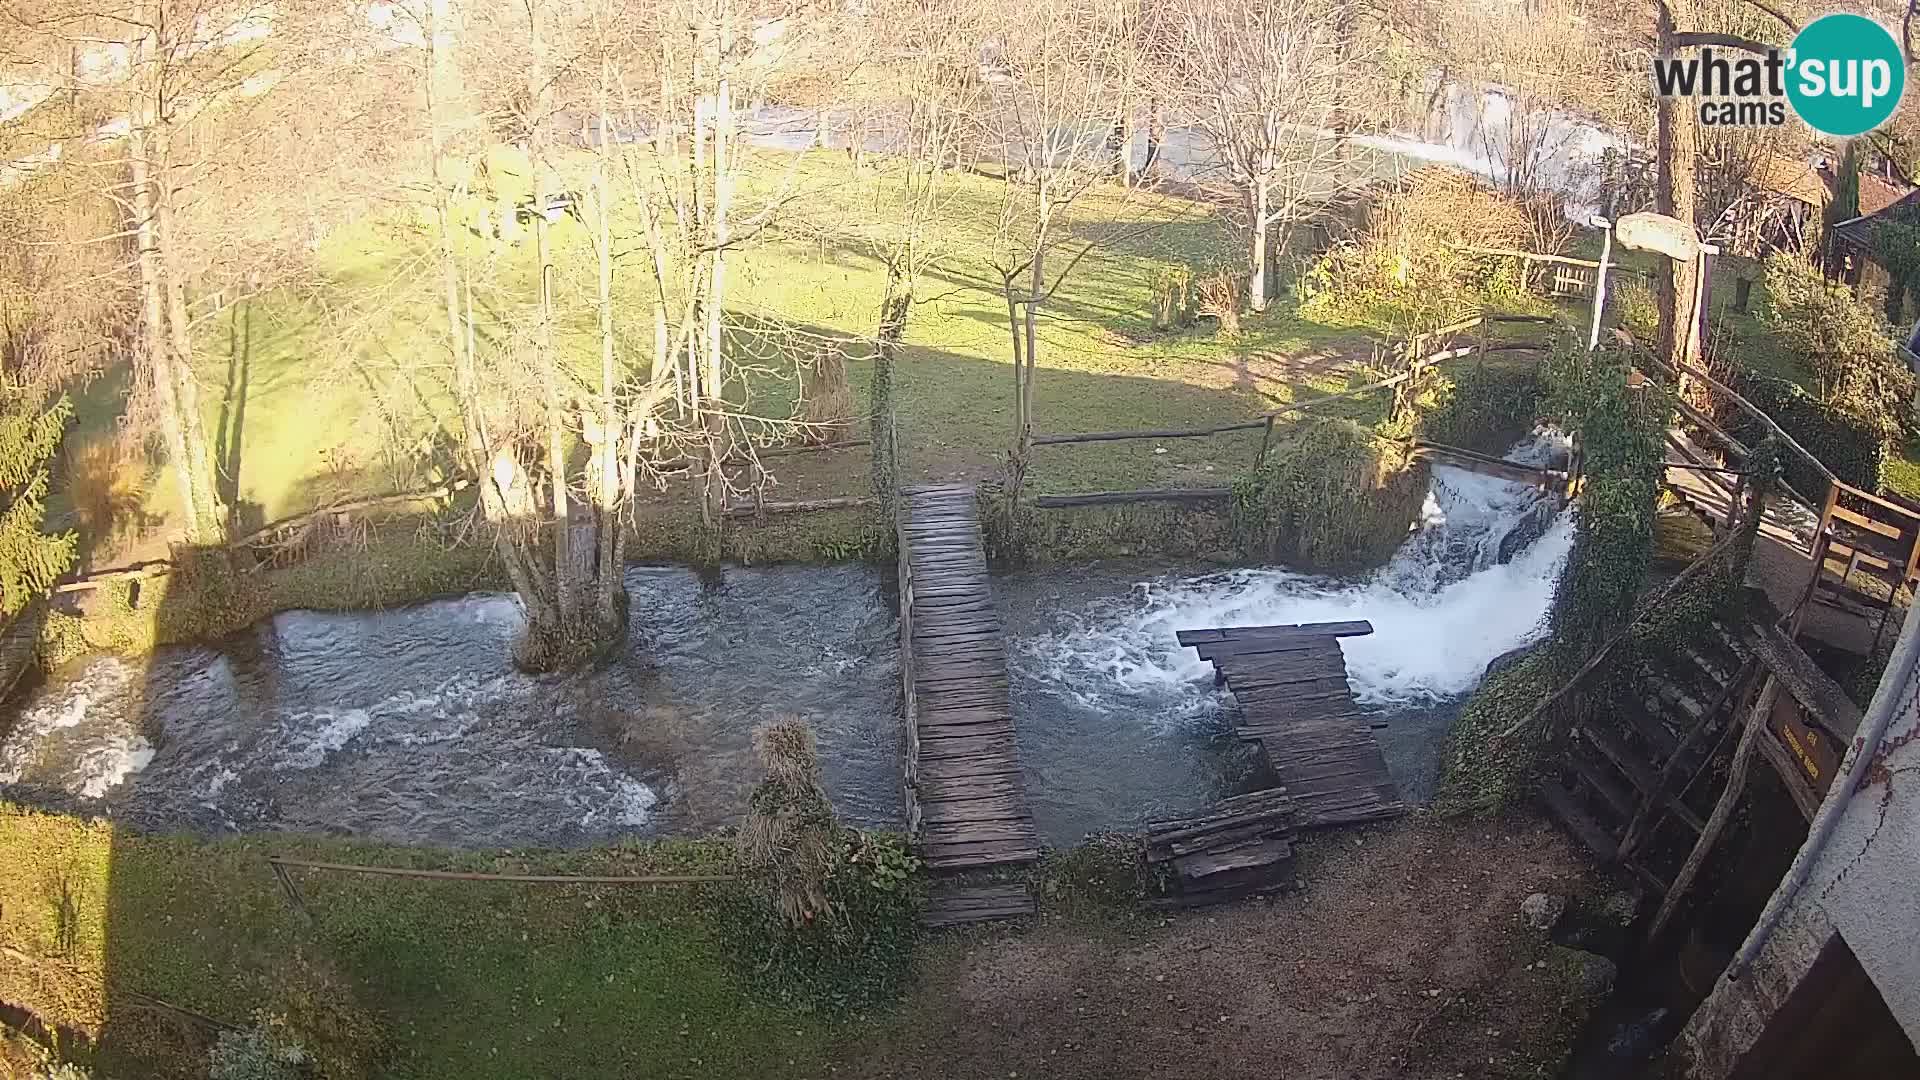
(438, 979)
(333, 387)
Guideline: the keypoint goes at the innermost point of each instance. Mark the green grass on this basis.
(328, 389)
(399, 978)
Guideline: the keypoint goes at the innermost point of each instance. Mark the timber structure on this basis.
(966, 802)
(1296, 704)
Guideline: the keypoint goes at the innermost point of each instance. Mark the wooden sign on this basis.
(1813, 750)
(1658, 232)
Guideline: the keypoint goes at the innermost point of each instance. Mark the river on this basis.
(409, 725)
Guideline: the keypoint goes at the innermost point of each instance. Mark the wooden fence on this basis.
(1422, 356)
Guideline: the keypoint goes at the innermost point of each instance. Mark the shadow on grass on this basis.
(151, 945)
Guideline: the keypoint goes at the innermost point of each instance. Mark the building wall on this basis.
(1865, 887)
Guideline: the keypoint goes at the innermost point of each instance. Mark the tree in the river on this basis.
(30, 559)
(562, 434)
(524, 409)
(1266, 86)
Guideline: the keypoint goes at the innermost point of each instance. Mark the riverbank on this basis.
(1404, 954)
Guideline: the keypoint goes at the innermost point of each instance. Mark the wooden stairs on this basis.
(1632, 784)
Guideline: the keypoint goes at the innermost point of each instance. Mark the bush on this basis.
(828, 920)
(1845, 343)
(1482, 408)
(1172, 297)
(1621, 441)
(859, 957)
(1854, 447)
(1407, 269)
(1635, 307)
(1331, 496)
(266, 1051)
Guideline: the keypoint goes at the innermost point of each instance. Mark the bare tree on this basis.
(1265, 84)
(183, 104)
(1066, 73)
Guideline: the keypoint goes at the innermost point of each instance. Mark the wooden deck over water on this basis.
(1291, 682)
(966, 803)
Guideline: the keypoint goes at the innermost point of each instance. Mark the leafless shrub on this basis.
(1217, 295)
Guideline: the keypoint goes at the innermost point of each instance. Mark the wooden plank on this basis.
(1862, 521)
(1828, 705)
(1561, 803)
(1350, 628)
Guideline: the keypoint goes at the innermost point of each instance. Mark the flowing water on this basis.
(409, 724)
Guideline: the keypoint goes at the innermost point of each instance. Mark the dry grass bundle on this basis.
(790, 838)
(105, 481)
(827, 404)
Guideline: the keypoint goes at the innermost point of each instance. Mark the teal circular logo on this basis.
(1845, 74)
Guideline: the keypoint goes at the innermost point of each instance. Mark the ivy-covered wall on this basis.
(1487, 762)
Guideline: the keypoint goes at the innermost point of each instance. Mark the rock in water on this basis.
(1531, 526)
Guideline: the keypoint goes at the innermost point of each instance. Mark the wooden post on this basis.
(1821, 539)
(293, 892)
(1722, 810)
(1266, 440)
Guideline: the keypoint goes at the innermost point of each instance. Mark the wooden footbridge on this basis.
(1291, 683)
(966, 803)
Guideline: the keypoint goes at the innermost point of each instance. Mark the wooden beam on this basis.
(800, 506)
(1488, 465)
(1722, 810)
(1810, 686)
(1145, 433)
(1108, 498)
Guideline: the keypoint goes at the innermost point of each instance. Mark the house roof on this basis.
(1795, 178)
(1811, 182)
(1858, 232)
(1877, 194)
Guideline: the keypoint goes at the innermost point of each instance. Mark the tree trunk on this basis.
(1257, 253)
(1156, 135)
(212, 526)
(607, 591)
(713, 379)
(893, 329)
(165, 334)
(567, 566)
(156, 350)
(1677, 148)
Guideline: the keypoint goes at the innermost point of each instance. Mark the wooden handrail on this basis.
(1904, 511)
(1753, 410)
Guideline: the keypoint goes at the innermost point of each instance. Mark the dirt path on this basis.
(1407, 942)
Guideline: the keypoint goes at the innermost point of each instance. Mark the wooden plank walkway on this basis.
(1291, 682)
(966, 803)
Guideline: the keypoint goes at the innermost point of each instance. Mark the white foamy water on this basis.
(1442, 609)
(54, 743)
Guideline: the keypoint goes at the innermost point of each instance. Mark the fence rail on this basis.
(1419, 360)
